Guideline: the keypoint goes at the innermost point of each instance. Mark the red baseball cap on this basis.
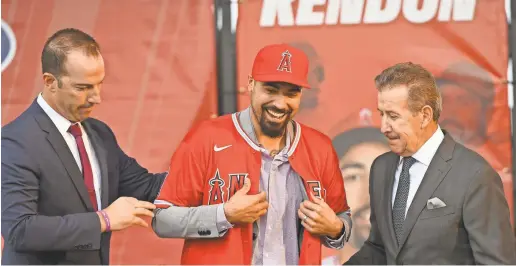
(281, 63)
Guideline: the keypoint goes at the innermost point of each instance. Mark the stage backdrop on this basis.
(349, 42)
(160, 79)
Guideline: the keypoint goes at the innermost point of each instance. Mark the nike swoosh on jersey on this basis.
(215, 148)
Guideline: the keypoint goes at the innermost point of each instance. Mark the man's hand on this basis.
(319, 219)
(243, 208)
(124, 212)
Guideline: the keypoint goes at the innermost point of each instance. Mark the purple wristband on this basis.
(106, 220)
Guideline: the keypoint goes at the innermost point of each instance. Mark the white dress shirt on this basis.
(423, 158)
(63, 125)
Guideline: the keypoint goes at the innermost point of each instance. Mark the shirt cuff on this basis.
(222, 223)
(336, 243)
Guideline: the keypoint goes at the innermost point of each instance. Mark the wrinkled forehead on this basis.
(393, 98)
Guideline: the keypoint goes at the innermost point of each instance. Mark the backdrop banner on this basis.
(161, 77)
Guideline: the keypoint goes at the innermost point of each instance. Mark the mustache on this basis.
(87, 105)
(392, 135)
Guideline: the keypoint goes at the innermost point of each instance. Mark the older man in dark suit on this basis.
(66, 183)
(433, 201)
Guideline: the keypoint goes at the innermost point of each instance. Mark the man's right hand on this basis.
(243, 208)
(124, 212)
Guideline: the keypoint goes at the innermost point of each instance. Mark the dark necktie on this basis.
(87, 173)
(400, 202)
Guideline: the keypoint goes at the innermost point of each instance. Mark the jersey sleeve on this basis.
(183, 185)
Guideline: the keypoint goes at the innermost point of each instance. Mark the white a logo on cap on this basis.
(285, 64)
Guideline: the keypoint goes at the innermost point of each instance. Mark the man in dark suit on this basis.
(433, 201)
(66, 183)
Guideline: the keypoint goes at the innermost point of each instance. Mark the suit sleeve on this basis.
(373, 250)
(22, 226)
(135, 180)
(336, 199)
(487, 220)
(191, 222)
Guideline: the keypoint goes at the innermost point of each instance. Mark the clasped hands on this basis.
(316, 216)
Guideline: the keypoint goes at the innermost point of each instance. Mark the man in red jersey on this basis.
(257, 187)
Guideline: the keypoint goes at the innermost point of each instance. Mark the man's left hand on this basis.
(319, 219)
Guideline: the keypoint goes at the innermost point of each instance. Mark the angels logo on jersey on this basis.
(216, 194)
(316, 190)
(236, 181)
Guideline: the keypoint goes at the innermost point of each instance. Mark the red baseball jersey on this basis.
(210, 165)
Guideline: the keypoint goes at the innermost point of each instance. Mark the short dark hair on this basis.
(60, 44)
(346, 140)
(422, 88)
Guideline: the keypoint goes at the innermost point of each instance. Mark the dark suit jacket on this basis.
(47, 217)
(473, 228)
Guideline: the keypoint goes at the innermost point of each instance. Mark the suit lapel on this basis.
(434, 175)
(101, 154)
(59, 145)
(392, 165)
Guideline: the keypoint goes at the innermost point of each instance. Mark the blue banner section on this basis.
(8, 45)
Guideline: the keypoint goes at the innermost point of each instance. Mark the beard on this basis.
(271, 128)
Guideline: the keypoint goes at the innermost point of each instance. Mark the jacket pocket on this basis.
(439, 212)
